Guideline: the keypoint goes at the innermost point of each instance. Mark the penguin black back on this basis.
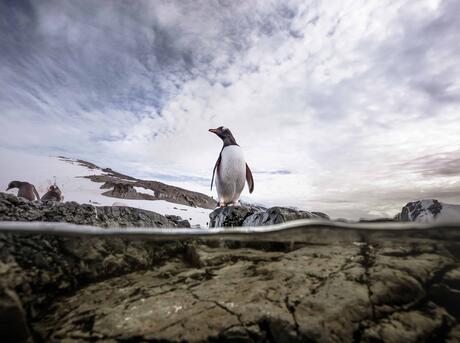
(53, 194)
(25, 190)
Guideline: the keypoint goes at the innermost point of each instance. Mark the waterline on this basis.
(305, 230)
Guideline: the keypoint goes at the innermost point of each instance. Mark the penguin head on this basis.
(13, 184)
(224, 134)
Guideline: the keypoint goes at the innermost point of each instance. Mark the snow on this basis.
(449, 213)
(144, 190)
(42, 171)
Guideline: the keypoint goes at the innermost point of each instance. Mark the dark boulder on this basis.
(255, 216)
(277, 215)
(178, 221)
(230, 216)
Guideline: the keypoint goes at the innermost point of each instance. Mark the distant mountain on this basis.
(429, 210)
(126, 187)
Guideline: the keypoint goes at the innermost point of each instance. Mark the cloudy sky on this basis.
(347, 107)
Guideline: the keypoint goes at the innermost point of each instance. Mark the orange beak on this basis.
(214, 131)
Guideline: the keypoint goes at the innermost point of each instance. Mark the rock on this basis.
(277, 215)
(313, 294)
(254, 216)
(411, 326)
(122, 186)
(230, 216)
(13, 320)
(429, 210)
(122, 190)
(39, 267)
(178, 221)
(18, 209)
(321, 215)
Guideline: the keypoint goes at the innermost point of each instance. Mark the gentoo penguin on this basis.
(231, 169)
(53, 194)
(26, 190)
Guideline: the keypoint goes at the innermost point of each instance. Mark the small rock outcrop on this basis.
(230, 216)
(255, 216)
(178, 221)
(13, 208)
(428, 211)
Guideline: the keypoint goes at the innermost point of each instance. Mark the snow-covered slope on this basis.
(44, 171)
(428, 211)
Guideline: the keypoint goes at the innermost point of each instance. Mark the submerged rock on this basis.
(313, 294)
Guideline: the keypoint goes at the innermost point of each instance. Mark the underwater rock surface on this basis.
(56, 289)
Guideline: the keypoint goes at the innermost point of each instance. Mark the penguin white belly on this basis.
(231, 175)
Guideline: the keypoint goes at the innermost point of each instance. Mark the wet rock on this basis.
(13, 320)
(312, 294)
(17, 209)
(410, 326)
(230, 216)
(255, 216)
(448, 297)
(38, 267)
(277, 215)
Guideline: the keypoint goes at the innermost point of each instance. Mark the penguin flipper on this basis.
(249, 179)
(215, 168)
(35, 192)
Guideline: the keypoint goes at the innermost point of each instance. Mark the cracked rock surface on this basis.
(357, 293)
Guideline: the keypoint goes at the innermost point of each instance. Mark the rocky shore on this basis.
(55, 289)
